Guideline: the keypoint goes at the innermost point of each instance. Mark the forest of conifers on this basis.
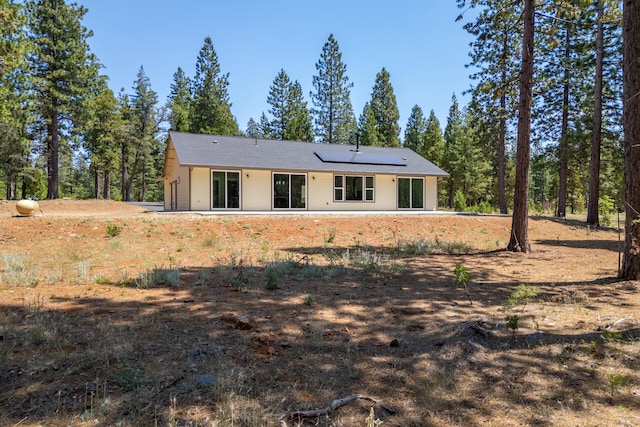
(65, 133)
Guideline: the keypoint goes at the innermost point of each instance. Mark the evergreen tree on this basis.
(334, 118)
(264, 127)
(292, 120)
(12, 43)
(145, 128)
(300, 126)
(454, 154)
(100, 140)
(210, 112)
(367, 126)
(494, 55)
(63, 72)
(252, 130)
(434, 146)
(180, 102)
(631, 37)
(519, 240)
(414, 131)
(125, 135)
(278, 99)
(385, 110)
(465, 158)
(14, 100)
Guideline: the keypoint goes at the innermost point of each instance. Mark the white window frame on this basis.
(365, 188)
(226, 189)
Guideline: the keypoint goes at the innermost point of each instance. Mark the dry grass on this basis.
(188, 320)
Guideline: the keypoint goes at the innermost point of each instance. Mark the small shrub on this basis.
(308, 300)
(512, 322)
(607, 207)
(462, 277)
(152, 278)
(272, 278)
(113, 230)
(459, 201)
(330, 237)
(522, 295)
(615, 381)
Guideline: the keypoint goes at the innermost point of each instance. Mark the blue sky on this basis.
(418, 42)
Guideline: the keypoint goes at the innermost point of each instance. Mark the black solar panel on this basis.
(358, 157)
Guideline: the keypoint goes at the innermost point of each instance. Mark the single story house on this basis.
(211, 172)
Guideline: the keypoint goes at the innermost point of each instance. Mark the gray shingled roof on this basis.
(238, 152)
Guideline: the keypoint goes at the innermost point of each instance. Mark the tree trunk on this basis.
(96, 184)
(519, 240)
(502, 170)
(594, 180)
(631, 95)
(106, 185)
(126, 183)
(53, 145)
(502, 194)
(563, 148)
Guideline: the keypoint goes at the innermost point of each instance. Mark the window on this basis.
(411, 193)
(353, 188)
(225, 189)
(289, 191)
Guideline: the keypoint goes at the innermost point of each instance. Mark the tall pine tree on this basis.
(63, 72)
(415, 129)
(291, 117)
(145, 128)
(385, 110)
(631, 37)
(180, 102)
(333, 112)
(210, 112)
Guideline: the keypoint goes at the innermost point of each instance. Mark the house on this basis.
(210, 173)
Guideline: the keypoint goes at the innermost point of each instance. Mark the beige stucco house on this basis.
(210, 173)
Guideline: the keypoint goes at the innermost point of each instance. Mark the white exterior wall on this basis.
(194, 191)
(181, 176)
(256, 190)
(431, 196)
(200, 189)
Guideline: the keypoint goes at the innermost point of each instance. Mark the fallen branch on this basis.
(334, 405)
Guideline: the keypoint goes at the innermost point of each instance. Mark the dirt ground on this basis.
(113, 315)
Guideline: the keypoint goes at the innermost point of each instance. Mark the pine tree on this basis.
(145, 128)
(631, 37)
(100, 140)
(14, 97)
(494, 55)
(385, 110)
(125, 135)
(594, 181)
(252, 130)
(333, 112)
(63, 72)
(210, 112)
(434, 147)
(180, 102)
(278, 99)
(454, 154)
(292, 120)
(264, 127)
(465, 158)
(300, 126)
(414, 131)
(519, 240)
(367, 126)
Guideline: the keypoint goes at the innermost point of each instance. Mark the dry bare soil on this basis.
(111, 315)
